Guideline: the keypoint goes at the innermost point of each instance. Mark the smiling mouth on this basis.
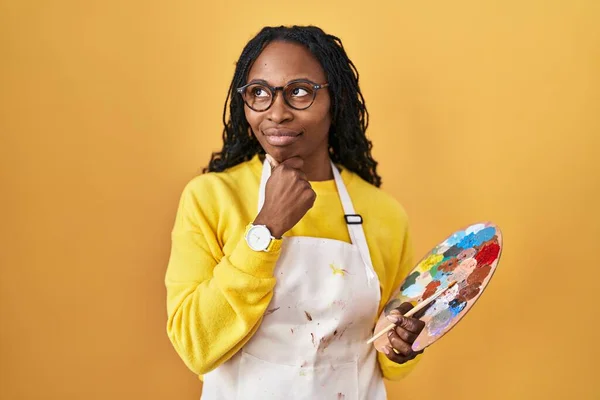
(281, 137)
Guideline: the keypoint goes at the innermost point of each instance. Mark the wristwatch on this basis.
(259, 238)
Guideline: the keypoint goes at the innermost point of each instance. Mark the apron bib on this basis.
(311, 343)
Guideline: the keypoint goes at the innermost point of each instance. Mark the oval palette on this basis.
(469, 257)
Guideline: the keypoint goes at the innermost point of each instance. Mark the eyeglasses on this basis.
(299, 94)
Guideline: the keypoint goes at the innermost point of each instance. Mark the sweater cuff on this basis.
(395, 372)
(260, 264)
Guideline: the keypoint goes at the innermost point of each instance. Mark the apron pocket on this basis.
(260, 379)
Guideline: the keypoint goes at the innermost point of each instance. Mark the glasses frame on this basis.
(274, 89)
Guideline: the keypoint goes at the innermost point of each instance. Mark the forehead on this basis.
(280, 62)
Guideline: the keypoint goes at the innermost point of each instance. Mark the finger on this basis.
(411, 324)
(419, 314)
(404, 349)
(406, 336)
(294, 162)
(397, 358)
(413, 355)
(404, 307)
(311, 195)
(399, 311)
(301, 175)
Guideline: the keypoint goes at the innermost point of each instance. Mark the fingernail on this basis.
(386, 350)
(393, 318)
(390, 333)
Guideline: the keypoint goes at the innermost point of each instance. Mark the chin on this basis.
(281, 154)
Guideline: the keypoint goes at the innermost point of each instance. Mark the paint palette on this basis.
(469, 257)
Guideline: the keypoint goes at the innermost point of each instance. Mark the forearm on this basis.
(210, 320)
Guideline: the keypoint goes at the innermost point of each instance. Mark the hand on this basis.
(288, 196)
(402, 337)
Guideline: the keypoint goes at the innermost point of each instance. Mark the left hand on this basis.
(402, 337)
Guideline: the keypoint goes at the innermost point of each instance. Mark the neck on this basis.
(317, 167)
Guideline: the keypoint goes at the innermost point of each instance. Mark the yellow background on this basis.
(480, 110)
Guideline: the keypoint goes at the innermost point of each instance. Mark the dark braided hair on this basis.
(348, 144)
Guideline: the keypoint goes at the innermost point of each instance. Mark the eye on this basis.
(298, 92)
(259, 92)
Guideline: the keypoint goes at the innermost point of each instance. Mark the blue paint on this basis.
(457, 306)
(485, 234)
(413, 291)
(456, 238)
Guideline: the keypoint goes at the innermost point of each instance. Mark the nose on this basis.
(279, 111)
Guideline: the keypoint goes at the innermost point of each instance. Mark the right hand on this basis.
(288, 196)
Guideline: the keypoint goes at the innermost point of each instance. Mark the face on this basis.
(282, 131)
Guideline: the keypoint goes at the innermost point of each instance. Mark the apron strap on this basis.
(353, 221)
(266, 174)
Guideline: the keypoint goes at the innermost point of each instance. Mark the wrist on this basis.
(274, 228)
(259, 238)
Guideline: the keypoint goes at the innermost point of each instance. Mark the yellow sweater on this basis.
(218, 288)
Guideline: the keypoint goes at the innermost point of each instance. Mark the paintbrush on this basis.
(413, 311)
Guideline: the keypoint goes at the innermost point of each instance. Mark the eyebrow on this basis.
(263, 81)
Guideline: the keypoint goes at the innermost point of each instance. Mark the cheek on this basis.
(319, 121)
(251, 118)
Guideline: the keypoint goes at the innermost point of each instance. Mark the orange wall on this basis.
(480, 110)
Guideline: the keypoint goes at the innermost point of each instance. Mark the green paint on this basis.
(410, 280)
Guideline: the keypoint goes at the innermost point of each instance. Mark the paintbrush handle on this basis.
(388, 328)
(381, 333)
(412, 312)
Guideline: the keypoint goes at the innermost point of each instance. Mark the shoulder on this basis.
(377, 204)
(387, 230)
(213, 188)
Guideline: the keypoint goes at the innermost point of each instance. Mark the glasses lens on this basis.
(258, 97)
(299, 95)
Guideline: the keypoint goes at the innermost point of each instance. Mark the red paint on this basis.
(431, 288)
(468, 292)
(479, 274)
(493, 240)
(448, 265)
(488, 254)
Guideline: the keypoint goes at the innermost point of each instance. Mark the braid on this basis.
(348, 144)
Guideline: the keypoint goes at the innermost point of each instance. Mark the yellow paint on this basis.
(480, 110)
(429, 262)
(337, 271)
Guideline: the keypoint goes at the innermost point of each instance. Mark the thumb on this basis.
(271, 161)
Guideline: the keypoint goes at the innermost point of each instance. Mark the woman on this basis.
(285, 253)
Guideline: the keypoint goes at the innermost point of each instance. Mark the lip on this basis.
(280, 136)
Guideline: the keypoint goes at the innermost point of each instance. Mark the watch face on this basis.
(258, 238)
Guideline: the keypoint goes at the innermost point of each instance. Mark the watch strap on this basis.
(274, 244)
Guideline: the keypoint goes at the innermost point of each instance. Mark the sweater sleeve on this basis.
(390, 369)
(215, 301)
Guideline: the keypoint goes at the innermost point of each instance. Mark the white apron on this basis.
(311, 343)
